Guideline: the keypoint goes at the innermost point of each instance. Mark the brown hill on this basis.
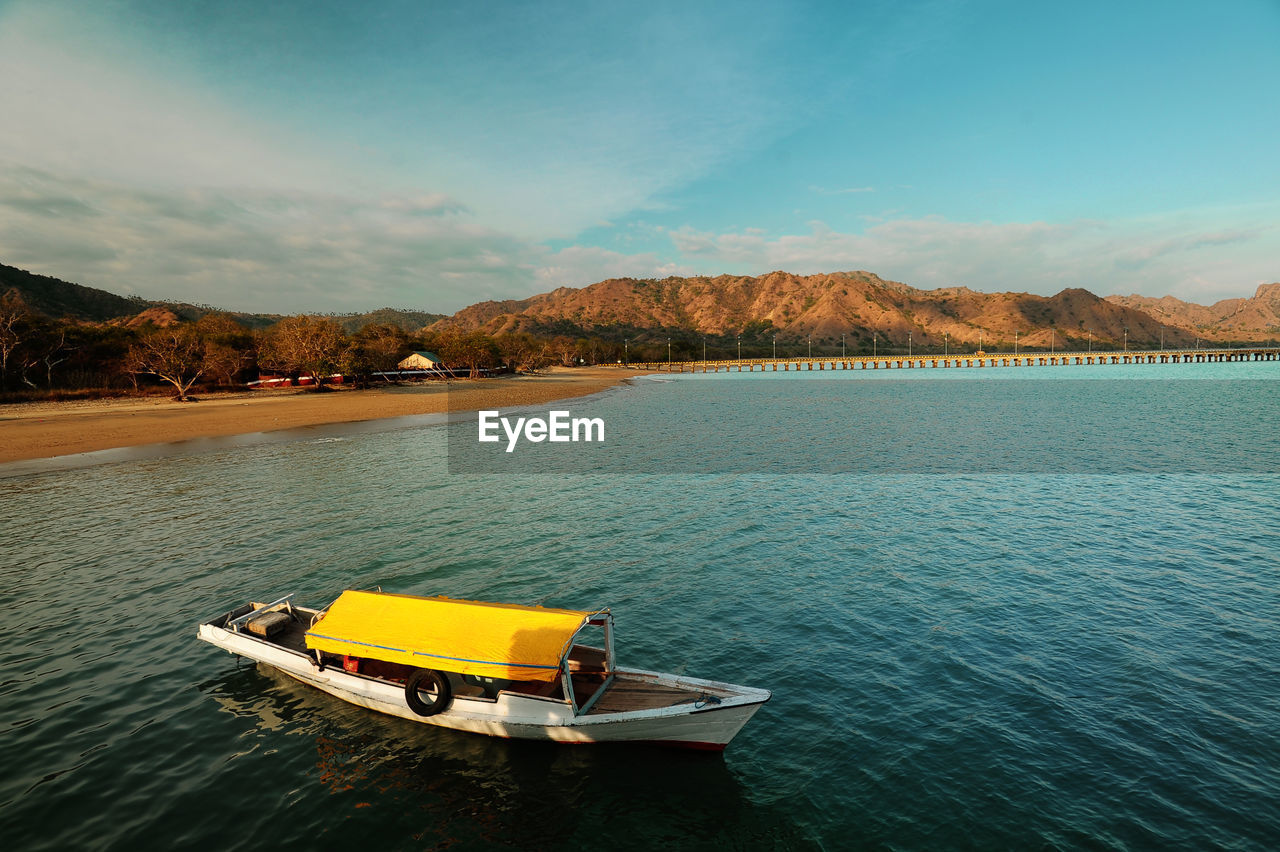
(159, 317)
(1231, 320)
(55, 298)
(857, 305)
(58, 299)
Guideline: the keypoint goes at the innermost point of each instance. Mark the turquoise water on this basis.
(986, 654)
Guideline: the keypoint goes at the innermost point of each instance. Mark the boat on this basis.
(267, 381)
(506, 670)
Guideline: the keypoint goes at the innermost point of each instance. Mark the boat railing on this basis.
(237, 623)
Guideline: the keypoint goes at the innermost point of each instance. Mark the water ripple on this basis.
(975, 661)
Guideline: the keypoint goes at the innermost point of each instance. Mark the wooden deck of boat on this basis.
(627, 693)
(293, 637)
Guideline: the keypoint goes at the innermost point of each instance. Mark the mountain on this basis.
(1231, 320)
(58, 299)
(821, 308)
(408, 321)
(860, 306)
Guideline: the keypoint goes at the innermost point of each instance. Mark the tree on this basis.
(566, 349)
(222, 327)
(15, 317)
(175, 354)
(45, 349)
(472, 350)
(523, 353)
(383, 345)
(229, 346)
(309, 345)
(37, 342)
(223, 361)
(357, 363)
(592, 348)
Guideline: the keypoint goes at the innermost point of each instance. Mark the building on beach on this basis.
(421, 361)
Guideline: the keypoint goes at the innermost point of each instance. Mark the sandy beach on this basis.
(46, 430)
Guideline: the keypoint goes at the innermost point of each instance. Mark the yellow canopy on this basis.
(470, 637)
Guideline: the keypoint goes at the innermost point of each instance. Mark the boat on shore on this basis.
(268, 381)
(500, 669)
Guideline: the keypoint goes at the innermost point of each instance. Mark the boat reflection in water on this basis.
(391, 779)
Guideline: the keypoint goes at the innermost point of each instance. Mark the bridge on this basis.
(972, 359)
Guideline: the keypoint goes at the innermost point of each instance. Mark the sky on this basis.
(333, 156)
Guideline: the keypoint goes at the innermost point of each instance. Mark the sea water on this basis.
(996, 610)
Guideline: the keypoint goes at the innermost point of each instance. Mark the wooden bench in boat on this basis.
(631, 693)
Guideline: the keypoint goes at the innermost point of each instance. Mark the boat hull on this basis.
(707, 725)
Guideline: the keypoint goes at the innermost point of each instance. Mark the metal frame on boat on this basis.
(499, 669)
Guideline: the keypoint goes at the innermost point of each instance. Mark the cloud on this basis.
(1179, 254)
(1140, 256)
(70, 110)
(398, 160)
(294, 250)
(287, 252)
(850, 191)
(258, 250)
(427, 204)
(561, 121)
(137, 170)
(578, 266)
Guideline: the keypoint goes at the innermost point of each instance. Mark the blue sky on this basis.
(339, 156)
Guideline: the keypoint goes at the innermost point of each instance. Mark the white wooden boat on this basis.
(498, 669)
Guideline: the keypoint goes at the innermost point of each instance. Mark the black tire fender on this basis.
(428, 679)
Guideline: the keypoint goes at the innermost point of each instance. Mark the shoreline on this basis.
(48, 430)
